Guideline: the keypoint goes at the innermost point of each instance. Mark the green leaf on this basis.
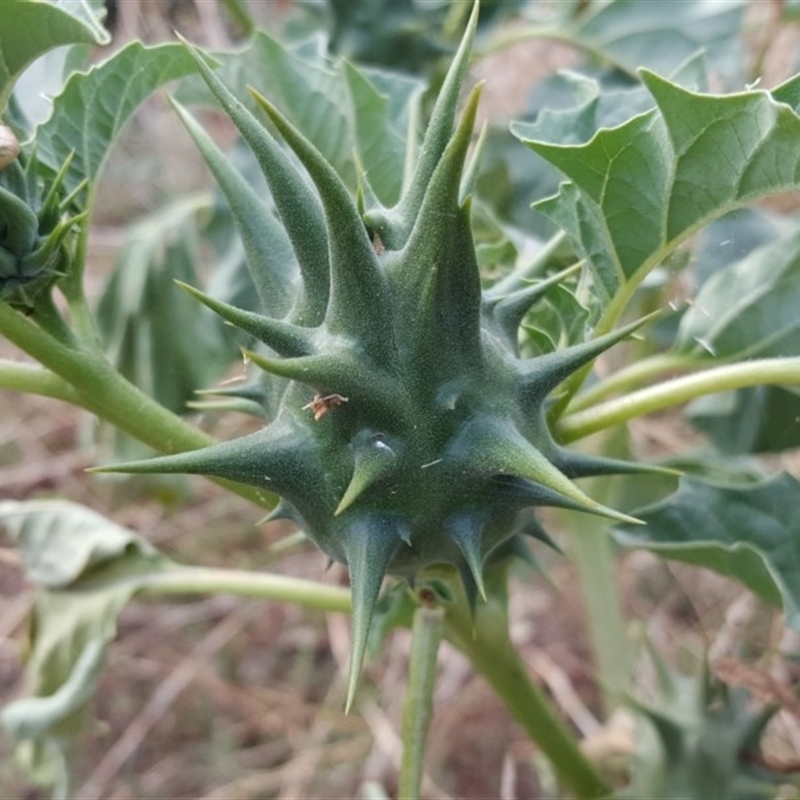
(749, 308)
(350, 114)
(630, 34)
(153, 332)
(699, 739)
(733, 237)
(400, 34)
(636, 191)
(30, 28)
(94, 106)
(761, 419)
(751, 534)
(88, 569)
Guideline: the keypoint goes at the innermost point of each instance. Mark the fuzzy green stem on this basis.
(33, 379)
(418, 707)
(246, 583)
(71, 286)
(485, 642)
(631, 377)
(678, 390)
(102, 390)
(591, 550)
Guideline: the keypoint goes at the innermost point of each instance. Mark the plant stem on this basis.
(102, 390)
(207, 580)
(592, 552)
(678, 390)
(33, 379)
(418, 706)
(485, 642)
(631, 376)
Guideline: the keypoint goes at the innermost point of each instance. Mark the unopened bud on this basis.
(9, 146)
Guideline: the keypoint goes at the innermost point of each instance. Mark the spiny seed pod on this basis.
(34, 226)
(410, 432)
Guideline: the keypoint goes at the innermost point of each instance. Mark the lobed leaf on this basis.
(32, 28)
(152, 331)
(751, 534)
(637, 190)
(94, 106)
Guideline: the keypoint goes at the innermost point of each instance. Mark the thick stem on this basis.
(678, 390)
(245, 583)
(631, 377)
(103, 391)
(592, 552)
(33, 379)
(485, 642)
(418, 706)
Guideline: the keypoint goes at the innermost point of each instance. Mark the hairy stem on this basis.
(418, 706)
(486, 643)
(99, 388)
(676, 391)
(246, 583)
(33, 379)
(631, 377)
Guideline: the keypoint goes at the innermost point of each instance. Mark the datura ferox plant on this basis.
(410, 431)
(35, 226)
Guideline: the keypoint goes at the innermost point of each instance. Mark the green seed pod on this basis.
(34, 230)
(410, 432)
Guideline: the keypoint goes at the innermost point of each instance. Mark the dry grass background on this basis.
(234, 700)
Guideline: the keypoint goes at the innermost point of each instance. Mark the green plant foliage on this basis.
(30, 29)
(35, 232)
(90, 112)
(395, 33)
(632, 192)
(357, 118)
(761, 419)
(747, 309)
(411, 432)
(630, 34)
(415, 352)
(702, 740)
(151, 330)
(750, 533)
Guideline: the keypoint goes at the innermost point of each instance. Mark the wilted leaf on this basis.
(88, 568)
(155, 334)
(751, 534)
